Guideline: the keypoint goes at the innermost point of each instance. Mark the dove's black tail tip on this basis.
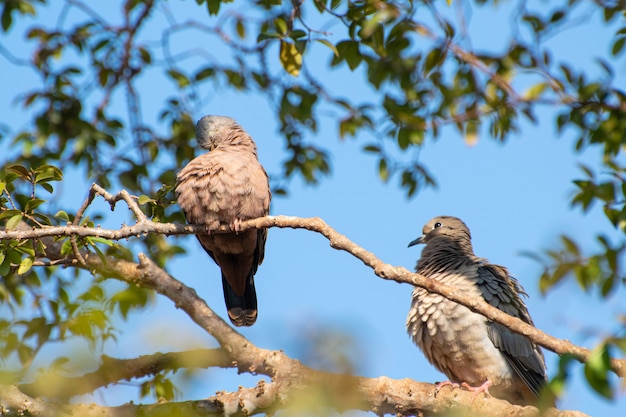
(240, 317)
(242, 310)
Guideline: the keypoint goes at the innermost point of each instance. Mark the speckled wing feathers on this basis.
(502, 291)
(464, 345)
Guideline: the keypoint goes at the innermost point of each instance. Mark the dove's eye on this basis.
(437, 225)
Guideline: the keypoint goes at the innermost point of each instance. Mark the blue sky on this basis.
(513, 196)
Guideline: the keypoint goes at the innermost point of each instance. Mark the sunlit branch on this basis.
(113, 370)
(337, 241)
(290, 379)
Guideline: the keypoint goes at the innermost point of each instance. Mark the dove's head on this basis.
(212, 131)
(444, 227)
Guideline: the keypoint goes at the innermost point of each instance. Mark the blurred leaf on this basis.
(348, 51)
(383, 170)
(240, 28)
(25, 266)
(130, 298)
(471, 134)
(213, 6)
(180, 78)
(618, 46)
(144, 199)
(329, 45)
(290, 58)
(534, 92)
(19, 170)
(596, 371)
(61, 215)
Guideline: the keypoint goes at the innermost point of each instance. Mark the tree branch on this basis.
(379, 395)
(112, 370)
(337, 241)
(289, 377)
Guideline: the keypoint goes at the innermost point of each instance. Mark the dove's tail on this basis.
(242, 310)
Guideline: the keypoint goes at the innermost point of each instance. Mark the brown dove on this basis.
(228, 185)
(467, 347)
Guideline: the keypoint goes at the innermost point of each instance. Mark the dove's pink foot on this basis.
(442, 384)
(481, 388)
(484, 388)
(476, 390)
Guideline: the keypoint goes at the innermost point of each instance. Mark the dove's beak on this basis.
(417, 241)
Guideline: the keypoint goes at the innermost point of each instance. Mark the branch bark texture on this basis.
(337, 241)
(288, 378)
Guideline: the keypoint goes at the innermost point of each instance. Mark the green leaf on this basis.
(403, 138)
(93, 240)
(144, 199)
(383, 170)
(372, 148)
(61, 215)
(130, 298)
(25, 353)
(180, 78)
(204, 73)
(7, 20)
(240, 28)
(165, 389)
(5, 268)
(100, 254)
(557, 16)
(13, 221)
(94, 293)
(471, 134)
(32, 204)
(213, 6)
(297, 34)
(66, 247)
(618, 46)
(348, 51)
(535, 91)
(59, 363)
(290, 58)
(281, 25)
(48, 173)
(20, 171)
(329, 45)
(25, 266)
(433, 59)
(47, 187)
(267, 35)
(596, 371)
(570, 246)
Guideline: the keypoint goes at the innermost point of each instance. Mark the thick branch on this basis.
(289, 377)
(112, 370)
(338, 242)
(379, 395)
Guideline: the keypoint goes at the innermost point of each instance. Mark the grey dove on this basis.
(228, 185)
(467, 347)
